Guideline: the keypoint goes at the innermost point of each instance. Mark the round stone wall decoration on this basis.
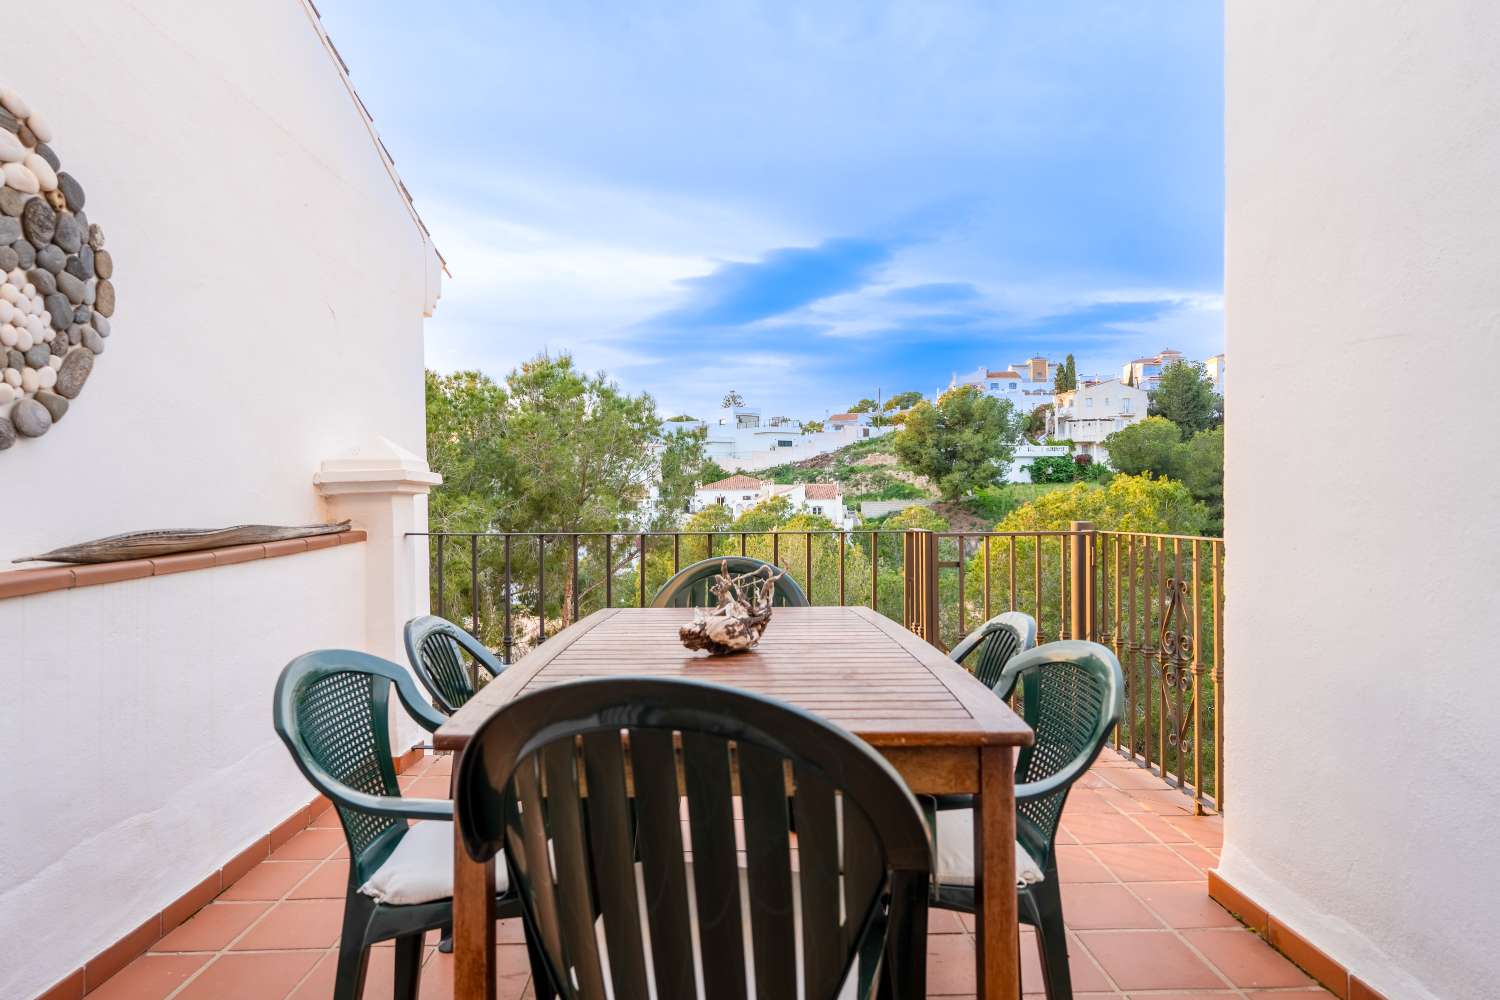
(56, 298)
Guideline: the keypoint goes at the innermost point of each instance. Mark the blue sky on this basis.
(806, 202)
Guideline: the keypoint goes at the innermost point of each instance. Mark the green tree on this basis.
(1203, 474)
(1186, 397)
(1152, 447)
(732, 398)
(812, 427)
(916, 517)
(903, 400)
(712, 472)
(1035, 422)
(1066, 377)
(963, 443)
(863, 406)
(465, 442)
(682, 468)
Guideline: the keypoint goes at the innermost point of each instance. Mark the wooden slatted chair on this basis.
(450, 662)
(689, 587)
(985, 651)
(1072, 695)
(331, 709)
(627, 883)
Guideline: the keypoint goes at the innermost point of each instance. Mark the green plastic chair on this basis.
(437, 650)
(1072, 695)
(689, 588)
(865, 857)
(992, 645)
(331, 711)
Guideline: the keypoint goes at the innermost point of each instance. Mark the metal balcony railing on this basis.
(1155, 600)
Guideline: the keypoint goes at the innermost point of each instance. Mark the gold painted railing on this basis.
(1155, 600)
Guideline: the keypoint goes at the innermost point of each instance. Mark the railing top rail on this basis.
(1159, 534)
(562, 533)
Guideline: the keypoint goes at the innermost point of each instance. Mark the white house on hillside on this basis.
(1026, 384)
(1089, 414)
(1214, 366)
(1146, 372)
(739, 438)
(740, 493)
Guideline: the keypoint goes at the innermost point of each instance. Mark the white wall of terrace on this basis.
(1362, 151)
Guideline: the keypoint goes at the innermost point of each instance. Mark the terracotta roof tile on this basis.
(823, 491)
(734, 483)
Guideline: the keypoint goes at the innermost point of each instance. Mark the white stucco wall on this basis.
(270, 278)
(137, 721)
(272, 284)
(1363, 147)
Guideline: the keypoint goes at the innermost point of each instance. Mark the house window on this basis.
(1088, 404)
(719, 501)
(1125, 405)
(784, 444)
(745, 497)
(1012, 385)
(817, 510)
(996, 385)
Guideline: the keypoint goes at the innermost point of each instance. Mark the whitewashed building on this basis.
(1089, 414)
(1214, 367)
(1027, 453)
(740, 493)
(1146, 372)
(740, 439)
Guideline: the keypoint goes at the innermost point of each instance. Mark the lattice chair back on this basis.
(987, 649)
(331, 710)
(450, 662)
(634, 864)
(689, 588)
(1071, 695)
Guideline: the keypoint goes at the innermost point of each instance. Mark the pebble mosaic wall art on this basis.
(56, 298)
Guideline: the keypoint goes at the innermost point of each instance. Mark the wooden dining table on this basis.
(939, 727)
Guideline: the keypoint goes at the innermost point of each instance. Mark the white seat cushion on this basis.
(420, 869)
(955, 851)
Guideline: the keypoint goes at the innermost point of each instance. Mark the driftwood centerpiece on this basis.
(149, 544)
(743, 613)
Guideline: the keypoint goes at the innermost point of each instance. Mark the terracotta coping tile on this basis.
(1311, 958)
(1361, 990)
(120, 954)
(238, 553)
(182, 562)
(245, 860)
(42, 580)
(1231, 899)
(70, 987)
(285, 547)
(35, 581)
(191, 902)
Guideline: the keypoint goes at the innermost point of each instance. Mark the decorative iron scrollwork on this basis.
(1174, 662)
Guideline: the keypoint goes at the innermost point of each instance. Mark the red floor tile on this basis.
(1246, 959)
(1131, 778)
(1084, 972)
(1145, 863)
(1104, 906)
(1162, 828)
(1106, 828)
(269, 880)
(950, 965)
(380, 977)
(329, 881)
(150, 977)
(1149, 960)
(303, 923)
(212, 928)
(1076, 864)
(310, 845)
(1183, 905)
(266, 976)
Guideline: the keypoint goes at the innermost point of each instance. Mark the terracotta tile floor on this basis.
(1132, 857)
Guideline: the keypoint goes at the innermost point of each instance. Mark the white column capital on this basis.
(379, 465)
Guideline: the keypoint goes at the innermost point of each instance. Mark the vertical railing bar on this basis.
(808, 564)
(742, 544)
(1161, 677)
(1036, 587)
(505, 601)
(843, 542)
(1197, 686)
(442, 578)
(1132, 689)
(641, 582)
(541, 589)
(609, 569)
(1218, 598)
(474, 585)
(875, 571)
(1115, 590)
(1065, 628)
(573, 585)
(676, 552)
(986, 542)
(963, 595)
(1010, 604)
(1178, 667)
(776, 547)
